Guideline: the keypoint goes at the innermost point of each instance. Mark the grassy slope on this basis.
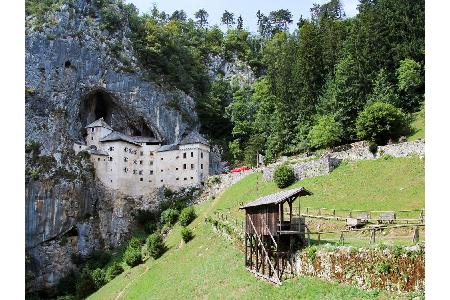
(418, 126)
(211, 266)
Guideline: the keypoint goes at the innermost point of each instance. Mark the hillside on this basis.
(212, 265)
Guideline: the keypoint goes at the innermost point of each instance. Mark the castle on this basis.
(136, 165)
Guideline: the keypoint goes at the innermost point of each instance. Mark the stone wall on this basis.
(355, 151)
(360, 150)
(302, 170)
(393, 270)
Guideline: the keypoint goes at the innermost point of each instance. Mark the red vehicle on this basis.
(240, 169)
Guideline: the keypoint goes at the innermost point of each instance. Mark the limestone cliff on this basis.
(75, 73)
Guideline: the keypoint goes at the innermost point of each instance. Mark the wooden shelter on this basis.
(272, 235)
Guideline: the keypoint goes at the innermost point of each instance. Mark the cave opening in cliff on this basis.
(101, 104)
(97, 104)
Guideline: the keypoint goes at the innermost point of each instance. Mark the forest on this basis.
(330, 81)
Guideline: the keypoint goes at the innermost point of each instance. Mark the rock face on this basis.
(75, 73)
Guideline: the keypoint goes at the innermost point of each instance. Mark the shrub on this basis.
(85, 284)
(169, 216)
(67, 284)
(382, 268)
(187, 216)
(132, 257)
(327, 132)
(155, 245)
(98, 259)
(373, 147)
(111, 18)
(186, 234)
(113, 270)
(150, 228)
(283, 175)
(381, 121)
(311, 253)
(98, 277)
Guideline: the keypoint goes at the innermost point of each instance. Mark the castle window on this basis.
(184, 155)
(201, 154)
(151, 163)
(140, 162)
(141, 179)
(140, 172)
(162, 180)
(142, 153)
(162, 171)
(111, 148)
(192, 154)
(192, 166)
(92, 138)
(125, 159)
(134, 171)
(184, 178)
(151, 172)
(110, 158)
(201, 166)
(92, 129)
(192, 177)
(151, 153)
(125, 149)
(178, 178)
(175, 157)
(162, 158)
(176, 169)
(125, 170)
(184, 166)
(98, 159)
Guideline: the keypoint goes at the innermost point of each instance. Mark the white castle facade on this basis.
(136, 165)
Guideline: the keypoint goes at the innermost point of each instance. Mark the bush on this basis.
(150, 228)
(186, 234)
(169, 216)
(98, 259)
(283, 175)
(99, 278)
(381, 121)
(373, 147)
(187, 216)
(155, 245)
(67, 284)
(327, 132)
(133, 255)
(111, 18)
(113, 270)
(85, 284)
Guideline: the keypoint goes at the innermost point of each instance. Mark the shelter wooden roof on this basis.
(278, 198)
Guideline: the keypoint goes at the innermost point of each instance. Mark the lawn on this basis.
(392, 184)
(418, 126)
(212, 266)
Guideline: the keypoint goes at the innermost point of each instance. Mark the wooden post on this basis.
(318, 237)
(334, 212)
(251, 251)
(290, 212)
(372, 239)
(246, 263)
(350, 214)
(319, 212)
(416, 235)
(307, 210)
(341, 239)
(309, 236)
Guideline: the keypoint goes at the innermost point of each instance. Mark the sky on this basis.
(246, 8)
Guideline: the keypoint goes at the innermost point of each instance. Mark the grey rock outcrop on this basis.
(76, 72)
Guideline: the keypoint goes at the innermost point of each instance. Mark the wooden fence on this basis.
(376, 233)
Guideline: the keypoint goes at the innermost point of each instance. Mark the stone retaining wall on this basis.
(393, 270)
(355, 151)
